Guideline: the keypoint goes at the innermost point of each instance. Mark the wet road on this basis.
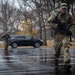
(32, 61)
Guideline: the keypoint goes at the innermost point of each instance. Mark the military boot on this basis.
(67, 67)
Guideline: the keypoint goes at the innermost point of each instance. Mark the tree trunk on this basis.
(43, 24)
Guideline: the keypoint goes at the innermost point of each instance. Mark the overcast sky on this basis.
(16, 2)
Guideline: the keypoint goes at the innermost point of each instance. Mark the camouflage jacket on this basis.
(60, 22)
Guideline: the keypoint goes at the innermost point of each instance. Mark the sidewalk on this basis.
(50, 43)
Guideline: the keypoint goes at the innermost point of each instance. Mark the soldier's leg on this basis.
(66, 47)
(57, 48)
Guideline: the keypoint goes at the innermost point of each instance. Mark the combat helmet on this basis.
(63, 5)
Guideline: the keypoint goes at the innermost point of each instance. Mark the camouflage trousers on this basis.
(62, 41)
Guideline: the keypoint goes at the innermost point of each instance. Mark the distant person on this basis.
(6, 38)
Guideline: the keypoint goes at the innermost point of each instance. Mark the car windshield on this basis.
(12, 36)
(20, 37)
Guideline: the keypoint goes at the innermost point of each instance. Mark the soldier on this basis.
(6, 37)
(62, 21)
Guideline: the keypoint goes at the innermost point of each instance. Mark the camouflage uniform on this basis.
(6, 38)
(61, 39)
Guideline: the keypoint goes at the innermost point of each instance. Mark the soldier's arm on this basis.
(52, 17)
(72, 20)
(73, 23)
(51, 20)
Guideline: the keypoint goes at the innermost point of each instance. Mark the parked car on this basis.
(21, 40)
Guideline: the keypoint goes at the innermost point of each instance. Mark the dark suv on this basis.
(20, 40)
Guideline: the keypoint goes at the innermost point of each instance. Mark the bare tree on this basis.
(41, 11)
(7, 11)
(27, 14)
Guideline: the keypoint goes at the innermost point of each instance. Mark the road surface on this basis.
(33, 61)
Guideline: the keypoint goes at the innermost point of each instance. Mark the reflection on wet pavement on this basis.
(32, 61)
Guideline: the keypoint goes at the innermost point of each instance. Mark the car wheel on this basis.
(14, 45)
(37, 44)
